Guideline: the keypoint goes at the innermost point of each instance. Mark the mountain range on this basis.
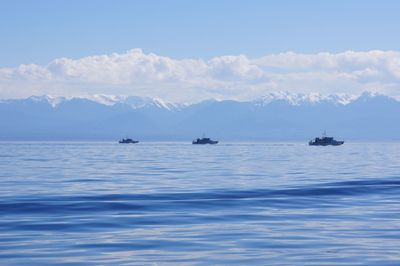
(277, 116)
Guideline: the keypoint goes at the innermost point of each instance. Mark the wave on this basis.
(210, 199)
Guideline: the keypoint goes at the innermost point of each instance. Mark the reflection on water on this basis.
(176, 203)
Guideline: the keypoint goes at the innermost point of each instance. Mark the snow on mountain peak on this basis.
(53, 101)
(135, 102)
(311, 98)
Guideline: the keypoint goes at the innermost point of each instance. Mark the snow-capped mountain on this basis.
(302, 99)
(277, 116)
(134, 102)
(137, 102)
(44, 99)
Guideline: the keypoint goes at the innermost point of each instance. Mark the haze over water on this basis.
(91, 203)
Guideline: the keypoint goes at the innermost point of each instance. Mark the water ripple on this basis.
(172, 203)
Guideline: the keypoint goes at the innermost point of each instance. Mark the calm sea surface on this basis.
(102, 203)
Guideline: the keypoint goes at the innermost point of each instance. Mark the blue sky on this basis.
(187, 50)
(39, 31)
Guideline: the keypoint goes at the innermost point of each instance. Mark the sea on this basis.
(174, 203)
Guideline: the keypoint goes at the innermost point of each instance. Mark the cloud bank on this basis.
(189, 80)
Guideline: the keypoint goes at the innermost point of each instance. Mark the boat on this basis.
(204, 141)
(128, 140)
(325, 141)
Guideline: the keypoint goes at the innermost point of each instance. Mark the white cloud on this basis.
(226, 77)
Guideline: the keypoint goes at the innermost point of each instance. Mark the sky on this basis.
(188, 50)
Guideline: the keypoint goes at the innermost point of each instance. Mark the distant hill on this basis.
(277, 116)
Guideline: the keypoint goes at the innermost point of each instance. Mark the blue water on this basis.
(65, 203)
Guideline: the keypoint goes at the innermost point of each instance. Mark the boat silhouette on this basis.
(204, 141)
(128, 140)
(325, 141)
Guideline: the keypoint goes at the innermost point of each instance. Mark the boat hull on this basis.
(337, 143)
(128, 142)
(205, 142)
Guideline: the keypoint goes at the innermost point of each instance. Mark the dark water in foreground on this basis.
(176, 203)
